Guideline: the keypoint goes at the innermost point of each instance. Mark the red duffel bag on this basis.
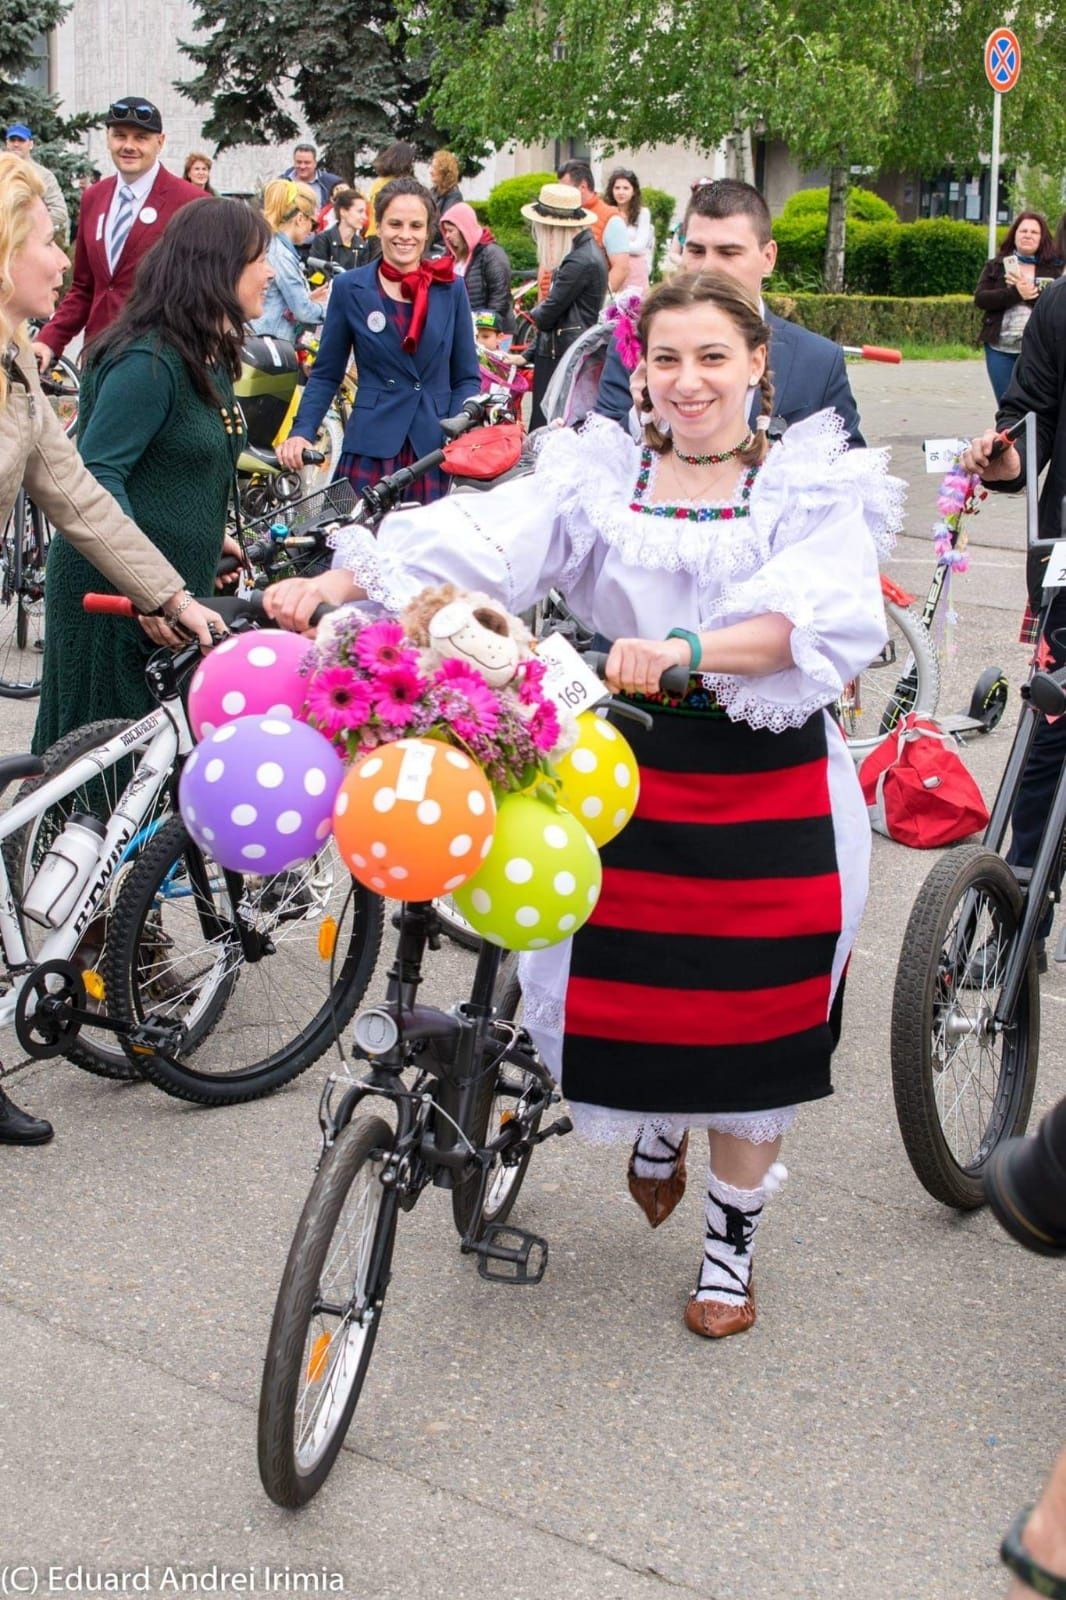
(917, 788)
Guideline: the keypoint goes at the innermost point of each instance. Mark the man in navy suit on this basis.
(727, 229)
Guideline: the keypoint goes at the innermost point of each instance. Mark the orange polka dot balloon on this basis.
(414, 819)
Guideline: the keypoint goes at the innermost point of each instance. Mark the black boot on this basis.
(17, 1127)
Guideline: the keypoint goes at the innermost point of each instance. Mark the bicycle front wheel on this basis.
(502, 1091)
(327, 1314)
(961, 1085)
(175, 956)
(904, 677)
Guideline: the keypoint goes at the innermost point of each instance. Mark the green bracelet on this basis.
(1014, 1555)
(695, 647)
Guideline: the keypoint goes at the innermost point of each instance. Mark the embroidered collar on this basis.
(690, 510)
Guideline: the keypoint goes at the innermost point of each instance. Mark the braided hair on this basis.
(712, 288)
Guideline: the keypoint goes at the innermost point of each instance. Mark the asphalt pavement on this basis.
(899, 1398)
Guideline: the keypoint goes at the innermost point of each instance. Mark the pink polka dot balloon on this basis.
(250, 674)
(258, 793)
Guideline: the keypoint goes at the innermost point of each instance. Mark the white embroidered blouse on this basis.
(805, 544)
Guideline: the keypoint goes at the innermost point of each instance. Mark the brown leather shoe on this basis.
(657, 1197)
(717, 1319)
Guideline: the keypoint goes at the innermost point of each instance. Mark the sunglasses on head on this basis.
(121, 111)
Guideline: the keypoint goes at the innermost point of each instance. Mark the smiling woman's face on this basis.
(699, 372)
(404, 231)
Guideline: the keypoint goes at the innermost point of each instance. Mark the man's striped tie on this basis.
(123, 224)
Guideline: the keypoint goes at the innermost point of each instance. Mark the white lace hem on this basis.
(605, 1125)
(357, 549)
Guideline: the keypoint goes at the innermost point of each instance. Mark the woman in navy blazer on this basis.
(408, 322)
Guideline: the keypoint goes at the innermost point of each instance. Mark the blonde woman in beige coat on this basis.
(35, 452)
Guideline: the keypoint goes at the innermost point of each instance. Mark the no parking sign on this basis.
(1003, 60)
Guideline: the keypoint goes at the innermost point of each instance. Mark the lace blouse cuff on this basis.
(357, 549)
(777, 700)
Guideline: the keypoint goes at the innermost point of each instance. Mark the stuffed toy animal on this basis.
(455, 624)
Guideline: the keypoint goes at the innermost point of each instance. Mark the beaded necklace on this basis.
(709, 513)
(714, 458)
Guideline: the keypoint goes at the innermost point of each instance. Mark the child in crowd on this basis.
(498, 366)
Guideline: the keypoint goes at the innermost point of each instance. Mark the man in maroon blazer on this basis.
(120, 219)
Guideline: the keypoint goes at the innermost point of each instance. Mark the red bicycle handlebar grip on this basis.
(108, 605)
(876, 352)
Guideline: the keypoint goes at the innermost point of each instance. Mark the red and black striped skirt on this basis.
(702, 982)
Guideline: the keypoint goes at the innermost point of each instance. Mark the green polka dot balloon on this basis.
(540, 880)
(599, 780)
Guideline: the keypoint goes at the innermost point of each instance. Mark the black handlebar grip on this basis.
(313, 458)
(226, 565)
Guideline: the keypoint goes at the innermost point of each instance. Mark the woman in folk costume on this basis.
(704, 990)
(406, 318)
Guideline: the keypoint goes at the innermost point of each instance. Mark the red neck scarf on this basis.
(414, 286)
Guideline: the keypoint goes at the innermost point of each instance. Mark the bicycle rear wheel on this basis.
(327, 1314)
(501, 1092)
(961, 1087)
(904, 677)
(23, 554)
(175, 957)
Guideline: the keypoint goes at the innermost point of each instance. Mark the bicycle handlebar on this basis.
(234, 609)
(873, 352)
(269, 458)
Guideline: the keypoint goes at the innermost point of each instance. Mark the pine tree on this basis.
(22, 24)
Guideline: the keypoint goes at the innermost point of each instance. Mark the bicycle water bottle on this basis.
(62, 877)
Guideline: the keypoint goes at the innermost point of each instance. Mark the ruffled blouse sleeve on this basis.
(827, 514)
(515, 542)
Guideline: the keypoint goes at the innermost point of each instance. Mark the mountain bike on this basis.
(152, 944)
(452, 1099)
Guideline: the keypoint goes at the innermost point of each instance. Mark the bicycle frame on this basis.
(163, 736)
(450, 1046)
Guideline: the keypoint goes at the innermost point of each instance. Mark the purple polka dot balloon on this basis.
(247, 675)
(257, 794)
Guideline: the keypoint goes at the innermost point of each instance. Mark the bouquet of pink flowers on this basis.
(370, 683)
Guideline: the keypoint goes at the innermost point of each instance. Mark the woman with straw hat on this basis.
(565, 244)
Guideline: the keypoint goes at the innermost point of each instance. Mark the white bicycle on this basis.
(128, 948)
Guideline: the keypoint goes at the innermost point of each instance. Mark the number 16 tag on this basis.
(568, 682)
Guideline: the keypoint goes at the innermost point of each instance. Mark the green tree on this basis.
(359, 75)
(22, 25)
(888, 84)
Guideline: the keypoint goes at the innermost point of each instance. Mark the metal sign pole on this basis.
(993, 180)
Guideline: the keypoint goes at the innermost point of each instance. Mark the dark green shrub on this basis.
(800, 251)
(863, 206)
(480, 208)
(870, 257)
(504, 204)
(518, 242)
(939, 257)
(880, 319)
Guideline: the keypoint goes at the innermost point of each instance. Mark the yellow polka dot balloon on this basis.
(540, 880)
(600, 778)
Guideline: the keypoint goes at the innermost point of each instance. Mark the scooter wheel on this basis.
(989, 699)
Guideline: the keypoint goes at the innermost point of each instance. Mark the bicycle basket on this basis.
(331, 504)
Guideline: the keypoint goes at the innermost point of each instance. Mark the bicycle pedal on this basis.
(560, 1126)
(509, 1255)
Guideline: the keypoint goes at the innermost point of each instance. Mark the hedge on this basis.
(863, 205)
(905, 259)
(882, 319)
(662, 207)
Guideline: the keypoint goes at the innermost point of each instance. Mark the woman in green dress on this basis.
(159, 427)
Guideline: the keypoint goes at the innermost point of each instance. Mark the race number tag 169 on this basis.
(568, 681)
(942, 454)
(1055, 571)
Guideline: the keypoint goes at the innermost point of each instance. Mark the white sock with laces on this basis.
(733, 1217)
